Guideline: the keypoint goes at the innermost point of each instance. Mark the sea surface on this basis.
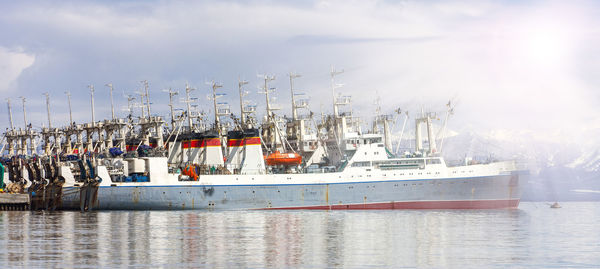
(533, 236)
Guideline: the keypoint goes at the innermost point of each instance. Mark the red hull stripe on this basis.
(474, 204)
(252, 141)
(235, 142)
(195, 143)
(211, 142)
(185, 144)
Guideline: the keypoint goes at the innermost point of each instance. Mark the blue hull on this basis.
(501, 191)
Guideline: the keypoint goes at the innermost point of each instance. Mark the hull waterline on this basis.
(489, 192)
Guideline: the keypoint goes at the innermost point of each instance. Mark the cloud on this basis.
(12, 64)
(508, 65)
(322, 39)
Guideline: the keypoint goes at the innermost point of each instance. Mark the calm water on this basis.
(533, 236)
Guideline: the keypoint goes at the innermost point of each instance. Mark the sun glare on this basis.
(547, 44)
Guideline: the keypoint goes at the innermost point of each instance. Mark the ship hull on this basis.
(486, 192)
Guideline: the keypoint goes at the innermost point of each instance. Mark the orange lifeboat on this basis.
(190, 170)
(287, 159)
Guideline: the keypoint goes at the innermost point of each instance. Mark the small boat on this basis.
(555, 205)
(286, 159)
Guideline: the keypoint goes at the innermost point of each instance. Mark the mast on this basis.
(145, 82)
(90, 131)
(46, 133)
(322, 114)
(294, 110)
(129, 106)
(48, 109)
(418, 139)
(378, 119)
(241, 83)
(10, 138)
(171, 94)
(70, 112)
(142, 103)
(215, 86)
(112, 104)
(449, 112)
(24, 112)
(430, 134)
(270, 127)
(69, 148)
(268, 78)
(92, 101)
(24, 138)
(10, 119)
(333, 86)
(188, 101)
(401, 132)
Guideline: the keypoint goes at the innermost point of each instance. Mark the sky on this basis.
(507, 66)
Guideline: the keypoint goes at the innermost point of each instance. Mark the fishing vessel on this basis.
(279, 163)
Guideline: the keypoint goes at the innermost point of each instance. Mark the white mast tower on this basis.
(188, 100)
(10, 135)
(333, 87)
(171, 94)
(112, 104)
(214, 87)
(292, 76)
(241, 84)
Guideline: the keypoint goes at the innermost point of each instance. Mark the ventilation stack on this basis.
(212, 152)
(195, 148)
(174, 144)
(235, 146)
(253, 161)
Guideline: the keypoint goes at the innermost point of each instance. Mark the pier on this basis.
(15, 201)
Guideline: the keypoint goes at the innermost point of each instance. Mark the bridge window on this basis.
(434, 161)
(361, 164)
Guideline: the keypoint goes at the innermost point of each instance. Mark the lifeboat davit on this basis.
(287, 159)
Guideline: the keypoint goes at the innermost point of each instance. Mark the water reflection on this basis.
(532, 236)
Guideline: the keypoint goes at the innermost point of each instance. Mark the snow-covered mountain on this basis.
(562, 167)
